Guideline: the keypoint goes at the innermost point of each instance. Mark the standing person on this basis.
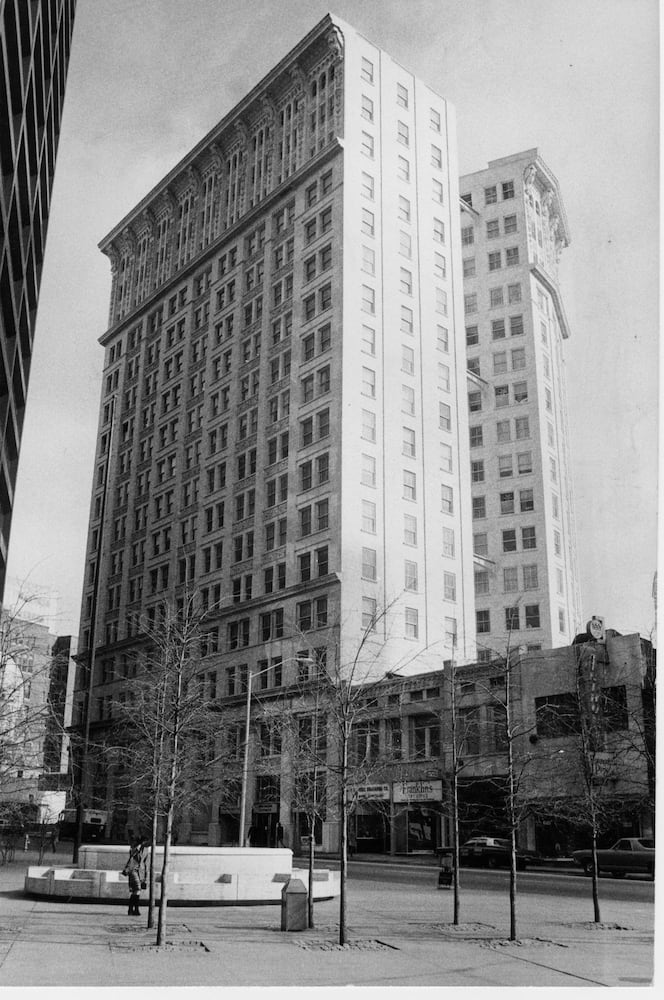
(135, 870)
(53, 839)
(280, 835)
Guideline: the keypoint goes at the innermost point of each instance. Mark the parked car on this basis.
(631, 854)
(492, 852)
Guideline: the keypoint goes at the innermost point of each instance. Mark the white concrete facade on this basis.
(513, 228)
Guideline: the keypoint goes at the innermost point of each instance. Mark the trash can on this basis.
(446, 855)
(294, 905)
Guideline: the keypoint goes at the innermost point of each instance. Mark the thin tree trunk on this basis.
(172, 783)
(343, 837)
(153, 874)
(597, 918)
(455, 802)
(310, 902)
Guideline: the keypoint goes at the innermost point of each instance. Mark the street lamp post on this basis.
(245, 763)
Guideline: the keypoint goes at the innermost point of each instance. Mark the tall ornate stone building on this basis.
(513, 229)
(282, 417)
(35, 40)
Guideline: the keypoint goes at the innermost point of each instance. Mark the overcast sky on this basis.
(575, 78)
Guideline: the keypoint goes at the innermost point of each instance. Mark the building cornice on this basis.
(324, 30)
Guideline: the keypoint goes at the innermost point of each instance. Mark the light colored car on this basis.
(630, 854)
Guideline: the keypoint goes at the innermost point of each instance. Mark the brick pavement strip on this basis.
(399, 935)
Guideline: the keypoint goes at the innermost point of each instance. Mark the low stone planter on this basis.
(222, 876)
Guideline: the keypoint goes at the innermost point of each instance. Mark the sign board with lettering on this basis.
(426, 790)
(373, 792)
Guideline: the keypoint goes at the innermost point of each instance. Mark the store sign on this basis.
(373, 792)
(417, 791)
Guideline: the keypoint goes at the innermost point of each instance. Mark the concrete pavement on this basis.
(399, 936)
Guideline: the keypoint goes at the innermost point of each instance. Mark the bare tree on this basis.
(24, 711)
(599, 764)
(169, 733)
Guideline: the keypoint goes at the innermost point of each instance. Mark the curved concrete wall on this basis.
(198, 875)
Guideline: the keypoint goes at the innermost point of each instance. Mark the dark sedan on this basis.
(492, 852)
(630, 854)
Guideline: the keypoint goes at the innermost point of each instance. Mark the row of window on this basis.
(529, 579)
(514, 620)
(493, 231)
(402, 93)
(506, 189)
(503, 435)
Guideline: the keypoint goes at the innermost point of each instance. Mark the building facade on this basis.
(513, 229)
(283, 324)
(34, 672)
(35, 41)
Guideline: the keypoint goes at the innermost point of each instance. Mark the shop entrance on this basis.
(264, 829)
(416, 829)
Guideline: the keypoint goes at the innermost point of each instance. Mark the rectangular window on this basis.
(512, 619)
(369, 516)
(481, 544)
(368, 382)
(367, 109)
(479, 508)
(467, 236)
(520, 390)
(530, 578)
(403, 168)
(368, 613)
(507, 503)
(447, 499)
(476, 437)
(477, 471)
(510, 579)
(367, 70)
(528, 538)
(482, 622)
(502, 395)
(409, 529)
(402, 96)
(410, 575)
(368, 564)
(368, 300)
(532, 616)
(403, 133)
(495, 297)
(516, 326)
(368, 425)
(509, 540)
(524, 462)
(409, 485)
(526, 501)
(368, 476)
(522, 428)
(411, 625)
(367, 145)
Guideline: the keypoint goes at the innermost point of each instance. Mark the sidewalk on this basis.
(399, 936)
